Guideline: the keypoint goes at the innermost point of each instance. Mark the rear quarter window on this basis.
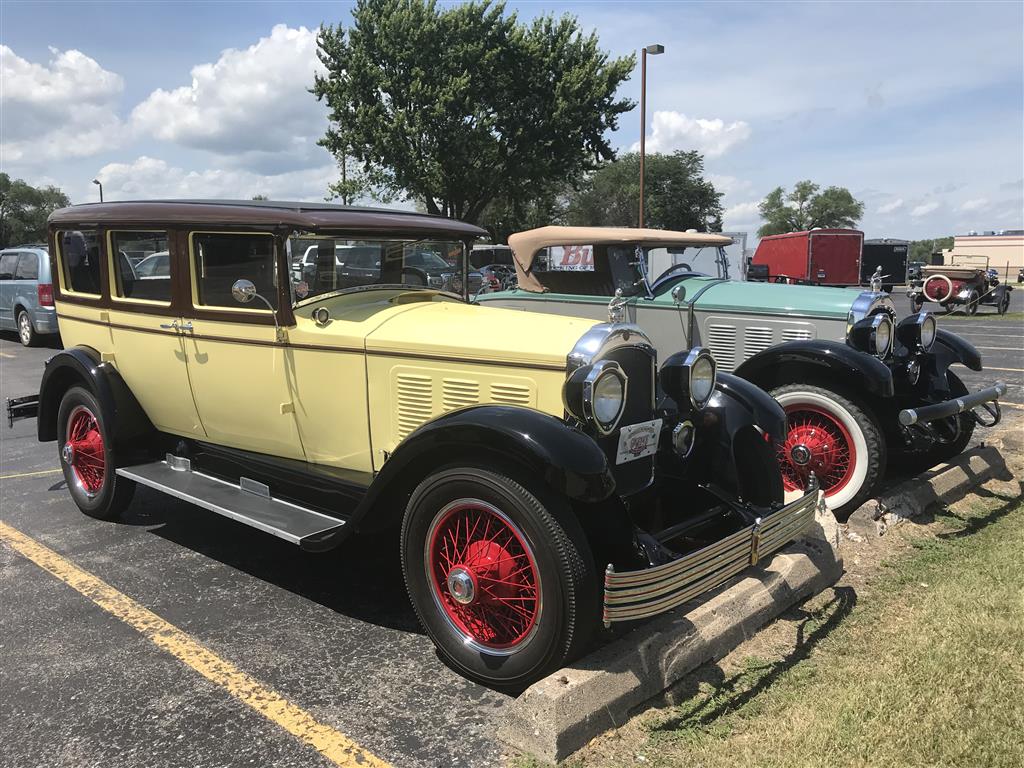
(28, 267)
(79, 256)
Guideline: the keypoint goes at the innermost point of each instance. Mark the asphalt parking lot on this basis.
(91, 677)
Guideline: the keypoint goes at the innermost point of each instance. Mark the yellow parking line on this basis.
(30, 474)
(4, 354)
(333, 745)
(1012, 370)
(1003, 349)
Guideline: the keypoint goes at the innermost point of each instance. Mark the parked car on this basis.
(536, 484)
(967, 285)
(914, 270)
(860, 387)
(815, 257)
(26, 293)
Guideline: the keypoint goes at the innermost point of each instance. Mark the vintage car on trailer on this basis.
(968, 284)
(535, 476)
(859, 387)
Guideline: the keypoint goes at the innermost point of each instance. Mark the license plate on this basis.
(638, 440)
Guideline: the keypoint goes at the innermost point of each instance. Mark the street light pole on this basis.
(654, 50)
(98, 184)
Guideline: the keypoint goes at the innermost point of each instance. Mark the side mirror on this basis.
(243, 291)
(678, 294)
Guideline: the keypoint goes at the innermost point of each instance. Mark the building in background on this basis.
(1004, 250)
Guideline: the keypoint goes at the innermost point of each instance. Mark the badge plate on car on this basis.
(638, 440)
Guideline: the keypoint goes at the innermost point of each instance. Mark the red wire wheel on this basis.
(483, 575)
(83, 450)
(816, 442)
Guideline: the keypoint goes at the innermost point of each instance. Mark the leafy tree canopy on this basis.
(458, 106)
(808, 208)
(24, 210)
(922, 250)
(676, 194)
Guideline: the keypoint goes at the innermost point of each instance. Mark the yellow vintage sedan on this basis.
(542, 476)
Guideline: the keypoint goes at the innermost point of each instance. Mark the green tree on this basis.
(922, 250)
(503, 216)
(24, 210)
(458, 106)
(352, 185)
(807, 208)
(260, 196)
(676, 194)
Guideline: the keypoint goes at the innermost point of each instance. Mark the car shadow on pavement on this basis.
(708, 693)
(338, 579)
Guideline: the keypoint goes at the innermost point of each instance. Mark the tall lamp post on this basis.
(97, 183)
(654, 50)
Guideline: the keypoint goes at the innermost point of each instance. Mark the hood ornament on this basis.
(617, 307)
(876, 279)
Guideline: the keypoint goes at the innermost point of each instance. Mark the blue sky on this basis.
(918, 108)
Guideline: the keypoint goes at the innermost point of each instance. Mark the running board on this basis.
(247, 502)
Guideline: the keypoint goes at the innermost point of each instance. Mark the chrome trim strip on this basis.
(634, 595)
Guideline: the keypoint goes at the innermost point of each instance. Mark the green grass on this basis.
(924, 668)
(982, 315)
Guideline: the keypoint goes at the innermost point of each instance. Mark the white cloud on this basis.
(729, 185)
(153, 178)
(892, 207)
(251, 105)
(67, 108)
(924, 209)
(673, 130)
(742, 214)
(976, 204)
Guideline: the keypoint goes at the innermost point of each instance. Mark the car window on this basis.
(79, 255)
(129, 282)
(219, 259)
(8, 264)
(28, 267)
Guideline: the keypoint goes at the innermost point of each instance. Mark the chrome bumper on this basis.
(910, 416)
(632, 595)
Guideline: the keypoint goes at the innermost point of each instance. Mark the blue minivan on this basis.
(26, 293)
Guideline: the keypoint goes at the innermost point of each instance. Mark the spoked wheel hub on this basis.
(83, 451)
(484, 576)
(816, 442)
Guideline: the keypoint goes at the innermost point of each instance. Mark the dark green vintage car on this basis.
(859, 385)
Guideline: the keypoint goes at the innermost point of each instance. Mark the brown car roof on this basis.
(525, 245)
(266, 213)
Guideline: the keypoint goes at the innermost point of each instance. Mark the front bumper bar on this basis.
(910, 416)
(632, 595)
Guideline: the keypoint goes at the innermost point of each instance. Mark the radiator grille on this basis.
(415, 402)
(795, 334)
(722, 340)
(511, 394)
(756, 339)
(459, 393)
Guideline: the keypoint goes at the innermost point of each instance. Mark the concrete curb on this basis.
(945, 484)
(561, 713)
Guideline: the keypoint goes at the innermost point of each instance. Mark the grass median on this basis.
(924, 666)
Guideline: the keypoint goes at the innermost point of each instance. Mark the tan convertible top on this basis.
(525, 245)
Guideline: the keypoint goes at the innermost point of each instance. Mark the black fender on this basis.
(955, 349)
(778, 365)
(127, 423)
(566, 459)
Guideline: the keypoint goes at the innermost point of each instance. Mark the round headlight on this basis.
(702, 380)
(929, 329)
(609, 394)
(882, 335)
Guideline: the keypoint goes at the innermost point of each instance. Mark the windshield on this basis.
(336, 264)
(708, 260)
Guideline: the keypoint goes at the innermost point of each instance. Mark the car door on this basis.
(8, 264)
(236, 359)
(145, 316)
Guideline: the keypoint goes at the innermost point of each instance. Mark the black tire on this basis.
(26, 331)
(102, 495)
(1004, 303)
(568, 609)
(958, 429)
(820, 414)
(972, 303)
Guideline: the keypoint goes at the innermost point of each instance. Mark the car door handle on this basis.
(173, 326)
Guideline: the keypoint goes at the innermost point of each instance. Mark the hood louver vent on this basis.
(722, 341)
(459, 393)
(511, 394)
(756, 339)
(415, 402)
(795, 334)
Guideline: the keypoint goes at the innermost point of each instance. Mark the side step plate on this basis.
(250, 503)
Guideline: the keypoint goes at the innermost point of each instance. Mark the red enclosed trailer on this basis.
(820, 256)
